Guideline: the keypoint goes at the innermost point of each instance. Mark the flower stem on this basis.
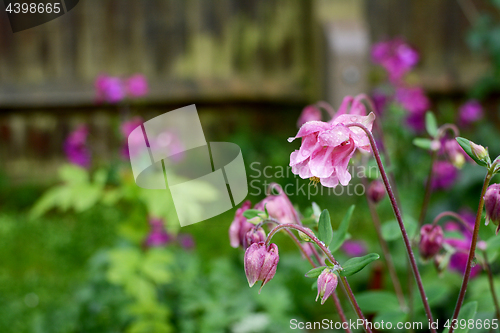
(454, 215)
(387, 254)
(472, 250)
(399, 218)
(308, 257)
(428, 191)
(487, 268)
(330, 257)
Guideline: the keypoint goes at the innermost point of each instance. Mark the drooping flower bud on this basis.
(376, 191)
(254, 236)
(492, 205)
(261, 263)
(479, 151)
(431, 240)
(240, 226)
(310, 113)
(327, 282)
(278, 207)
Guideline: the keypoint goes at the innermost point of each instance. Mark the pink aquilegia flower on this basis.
(327, 283)
(309, 113)
(137, 85)
(240, 227)
(431, 240)
(396, 56)
(109, 89)
(261, 263)
(158, 236)
(327, 148)
(75, 147)
(126, 128)
(470, 112)
(492, 205)
(278, 207)
(444, 175)
(415, 101)
(354, 248)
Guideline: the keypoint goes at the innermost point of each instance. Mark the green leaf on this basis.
(466, 146)
(391, 230)
(354, 265)
(315, 272)
(431, 124)
(251, 213)
(423, 143)
(492, 248)
(340, 235)
(325, 231)
(73, 174)
(393, 317)
(378, 302)
(467, 312)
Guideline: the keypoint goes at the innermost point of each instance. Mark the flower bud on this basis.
(327, 282)
(492, 205)
(479, 151)
(376, 191)
(278, 207)
(240, 226)
(260, 263)
(431, 240)
(455, 153)
(254, 236)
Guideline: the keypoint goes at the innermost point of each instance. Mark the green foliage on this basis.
(340, 235)
(354, 265)
(315, 272)
(431, 124)
(325, 231)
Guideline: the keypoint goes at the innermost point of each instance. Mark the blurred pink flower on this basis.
(158, 236)
(109, 89)
(354, 248)
(278, 207)
(239, 227)
(126, 128)
(137, 85)
(186, 241)
(444, 175)
(458, 261)
(396, 56)
(414, 100)
(470, 112)
(309, 113)
(327, 148)
(75, 147)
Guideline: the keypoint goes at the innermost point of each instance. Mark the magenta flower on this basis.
(186, 241)
(415, 101)
(261, 263)
(431, 240)
(157, 236)
(380, 100)
(396, 57)
(470, 112)
(278, 207)
(327, 283)
(444, 175)
(492, 205)
(75, 147)
(309, 113)
(126, 128)
(255, 236)
(376, 191)
(137, 85)
(458, 261)
(239, 227)
(109, 89)
(354, 248)
(327, 148)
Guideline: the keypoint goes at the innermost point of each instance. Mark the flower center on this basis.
(314, 180)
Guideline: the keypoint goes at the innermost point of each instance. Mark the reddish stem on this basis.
(399, 218)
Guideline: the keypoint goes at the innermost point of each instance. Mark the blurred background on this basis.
(78, 251)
